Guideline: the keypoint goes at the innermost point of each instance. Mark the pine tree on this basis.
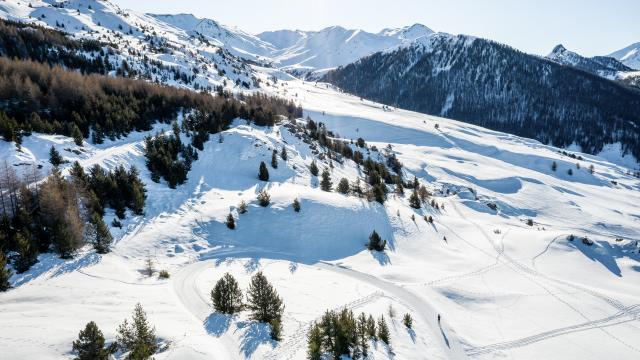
(27, 253)
(263, 173)
(263, 300)
(376, 243)
(407, 321)
(325, 183)
(383, 330)
(343, 186)
(363, 337)
(371, 328)
(76, 134)
(314, 168)
(314, 343)
(379, 193)
(283, 154)
(414, 200)
(90, 344)
(296, 205)
(103, 239)
(554, 166)
(274, 159)
(226, 295)
(54, 157)
(231, 222)
(138, 339)
(264, 199)
(5, 273)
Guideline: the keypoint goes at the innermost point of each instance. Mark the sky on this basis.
(589, 27)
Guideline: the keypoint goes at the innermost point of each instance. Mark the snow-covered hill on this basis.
(502, 287)
(629, 56)
(335, 46)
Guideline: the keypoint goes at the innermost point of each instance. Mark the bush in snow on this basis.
(226, 295)
(90, 344)
(231, 222)
(263, 173)
(264, 199)
(376, 243)
(138, 338)
(296, 205)
(242, 208)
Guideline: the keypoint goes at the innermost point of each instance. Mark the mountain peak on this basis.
(558, 49)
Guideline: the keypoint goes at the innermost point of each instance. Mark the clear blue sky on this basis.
(590, 27)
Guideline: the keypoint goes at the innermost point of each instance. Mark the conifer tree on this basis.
(27, 253)
(103, 239)
(274, 159)
(54, 157)
(226, 295)
(90, 344)
(414, 200)
(263, 173)
(343, 186)
(5, 273)
(554, 166)
(263, 300)
(363, 337)
(283, 154)
(325, 183)
(314, 343)
(371, 328)
(407, 321)
(314, 168)
(76, 134)
(383, 330)
(276, 329)
(376, 243)
(264, 199)
(231, 222)
(379, 193)
(296, 205)
(137, 339)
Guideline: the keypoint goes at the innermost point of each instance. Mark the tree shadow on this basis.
(255, 334)
(382, 257)
(444, 336)
(55, 266)
(602, 252)
(218, 324)
(412, 334)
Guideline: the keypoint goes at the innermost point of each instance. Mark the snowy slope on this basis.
(504, 288)
(335, 46)
(237, 41)
(629, 56)
(143, 41)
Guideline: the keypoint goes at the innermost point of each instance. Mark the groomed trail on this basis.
(185, 287)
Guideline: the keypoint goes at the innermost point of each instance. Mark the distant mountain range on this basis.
(493, 85)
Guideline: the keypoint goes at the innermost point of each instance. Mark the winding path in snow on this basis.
(185, 288)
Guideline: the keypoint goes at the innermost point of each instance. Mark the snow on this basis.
(629, 56)
(504, 289)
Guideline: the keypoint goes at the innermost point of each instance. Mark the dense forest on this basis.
(498, 87)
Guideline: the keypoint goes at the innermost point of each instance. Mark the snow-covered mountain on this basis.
(629, 56)
(604, 66)
(335, 46)
(521, 250)
(237, 41)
